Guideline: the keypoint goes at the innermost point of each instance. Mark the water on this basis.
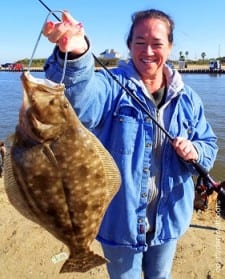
(11, 99)
(211, 89)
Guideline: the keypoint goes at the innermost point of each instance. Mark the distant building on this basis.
(214, 65)
(110, 54)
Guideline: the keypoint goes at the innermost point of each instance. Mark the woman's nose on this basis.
(149, 49)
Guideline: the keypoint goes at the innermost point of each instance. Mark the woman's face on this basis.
(150, 47)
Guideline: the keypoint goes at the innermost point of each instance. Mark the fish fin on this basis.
(83, 263)
(9, 140)
(49, 153)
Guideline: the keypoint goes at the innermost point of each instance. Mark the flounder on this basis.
(58, 174)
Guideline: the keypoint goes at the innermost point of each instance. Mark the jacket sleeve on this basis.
(203, 136)
(89, 91)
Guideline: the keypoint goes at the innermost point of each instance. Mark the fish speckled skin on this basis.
(64, 177)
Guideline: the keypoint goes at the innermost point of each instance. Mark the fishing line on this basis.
(202, 172)
(38, 40)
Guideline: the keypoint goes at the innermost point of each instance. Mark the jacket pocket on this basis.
(188, 128)
(124, 129)
(183, 127)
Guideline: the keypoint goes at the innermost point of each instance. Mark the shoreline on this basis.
(192, 68)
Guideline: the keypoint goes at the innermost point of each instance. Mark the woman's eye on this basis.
(140, 43)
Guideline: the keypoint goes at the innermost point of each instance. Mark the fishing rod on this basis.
(211, 184)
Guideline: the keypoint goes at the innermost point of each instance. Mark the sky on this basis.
(199, 25)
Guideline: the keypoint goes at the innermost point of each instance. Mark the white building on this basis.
(110, 54)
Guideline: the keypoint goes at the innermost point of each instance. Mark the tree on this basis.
(203, 55)
(181, 54)
(186, 54)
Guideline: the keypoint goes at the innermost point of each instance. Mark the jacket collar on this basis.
(173, 77)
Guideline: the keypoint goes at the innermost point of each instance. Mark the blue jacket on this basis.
(142, 152)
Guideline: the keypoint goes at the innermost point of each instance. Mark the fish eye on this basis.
(32, 99)
(52, 102)
(66, 105)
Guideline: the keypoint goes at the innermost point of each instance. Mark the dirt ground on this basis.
(28, 251)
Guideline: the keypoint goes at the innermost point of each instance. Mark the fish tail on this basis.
(82, 263)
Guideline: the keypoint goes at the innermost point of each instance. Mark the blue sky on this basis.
(199, 25)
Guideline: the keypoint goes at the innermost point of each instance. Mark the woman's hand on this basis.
(185, 149)
(67, 34)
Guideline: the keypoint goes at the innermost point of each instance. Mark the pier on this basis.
(32, 69)
(200, 71)
(189, 70)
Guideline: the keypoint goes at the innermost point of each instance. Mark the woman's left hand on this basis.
(185, 149)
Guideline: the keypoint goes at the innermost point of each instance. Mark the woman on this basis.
(153, 207)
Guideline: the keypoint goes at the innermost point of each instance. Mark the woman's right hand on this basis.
(68, 34)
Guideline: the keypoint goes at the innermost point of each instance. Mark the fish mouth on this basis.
(42, 115)
(26, 77)
(33, 86)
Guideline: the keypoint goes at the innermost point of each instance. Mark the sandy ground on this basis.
(28, 251)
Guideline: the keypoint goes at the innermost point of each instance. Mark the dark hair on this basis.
(147, 14)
